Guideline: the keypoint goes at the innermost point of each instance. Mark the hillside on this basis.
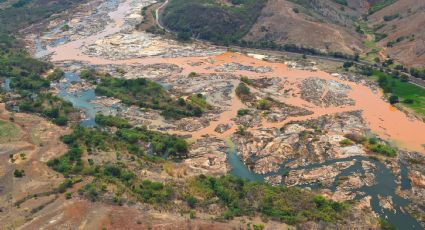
(328, 27)
(373, 28)
(403, 23)
(218, 21)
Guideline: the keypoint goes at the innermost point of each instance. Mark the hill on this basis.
(372, 28)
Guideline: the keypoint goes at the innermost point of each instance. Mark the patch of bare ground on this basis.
(407, 26)
(37, 141)
(82, 214)
(280, 23)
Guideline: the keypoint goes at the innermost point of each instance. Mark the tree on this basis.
(184, 36)
(347, 65)
(181, 146)
(404, 78)
(394, 99)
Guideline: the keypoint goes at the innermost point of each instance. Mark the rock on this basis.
(221, 128)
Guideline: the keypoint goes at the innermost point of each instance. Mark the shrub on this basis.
(393, 99)
(408, 101)
(384, 149)
(373, 140)
(154, 192)
(111, 121)
(192, 214)
(263, 104)
(346, 142)
(356, 137)
(191, 201)
(242, 90)
(193, 74)
(246, 80)
(347, 65)
(241, 130)
(18, 173)
(68, 195)
(64, 186)
(243, 112)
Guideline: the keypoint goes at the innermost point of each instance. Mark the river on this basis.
(385, 185)
(389, 123)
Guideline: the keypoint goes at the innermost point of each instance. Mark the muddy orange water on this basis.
(390, 124)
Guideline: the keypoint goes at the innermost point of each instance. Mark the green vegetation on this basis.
(410, 95)
(147, 94)
(135, 141)
(380, 36)
(234, 196)
(380, 5)
(8, 131)
(18, 173)
(373, 144)
(346, 142)
(65, 27)
(246, 80)
(27, 12)
(191, 201)
(385, 225)
(26, 81)
(27, 85)
(347, 65)
(243, 92)
(399, 39)
(200, 101)
(243, 112)
(240, 197)
(212, 20)
(383, 149)
(304, 3)
(154, 192)
(184, 36)
(68, 195)
(193, 74)
(393, 99)
(391, 17)
(241, 130)
(56, 75)
(418, 72)
(47, 105)
(263, 104)
(111, 121)
(342, 2)
(373, 49)
(93, 76)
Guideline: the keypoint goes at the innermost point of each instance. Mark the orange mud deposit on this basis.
(389, 124)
